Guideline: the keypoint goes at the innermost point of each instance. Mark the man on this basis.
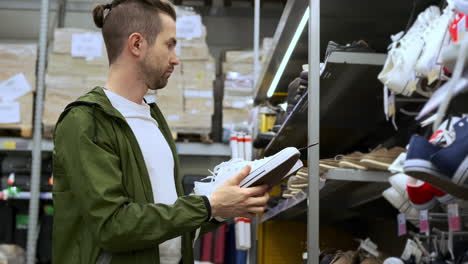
(117, 189)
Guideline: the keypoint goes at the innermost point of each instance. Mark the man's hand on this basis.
(230, 200)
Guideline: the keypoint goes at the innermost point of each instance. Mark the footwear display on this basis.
(421, 195)
(434, 37)
(402, 204)
(381, 158)
(270, 170)
(404, 52)
(348, 257)
(444, 167)
(351, 161)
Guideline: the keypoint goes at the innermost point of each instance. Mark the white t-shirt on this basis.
(158, 159)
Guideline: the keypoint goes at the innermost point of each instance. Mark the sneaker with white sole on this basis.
(270, 170)
(434, 36)
(393, 48)
(407, 53)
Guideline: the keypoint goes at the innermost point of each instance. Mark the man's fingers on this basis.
(236, 179)
(256, 210)
(257, 190)
(258, 201)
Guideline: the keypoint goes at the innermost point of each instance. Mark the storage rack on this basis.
(349, 82)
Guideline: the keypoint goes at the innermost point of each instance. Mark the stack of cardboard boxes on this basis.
(77, 63)
(17, 86)
(238, 71)
(187, 101)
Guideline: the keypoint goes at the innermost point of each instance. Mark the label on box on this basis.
(424, 221)
(453, 217)
(198, 94)
(10, 112)
(88, 45)
(401, 224)
(173, 118)
(189, 27)
(14, 87)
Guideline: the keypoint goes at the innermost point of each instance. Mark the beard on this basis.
(153, 76)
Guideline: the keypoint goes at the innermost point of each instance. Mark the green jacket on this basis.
(102, 193)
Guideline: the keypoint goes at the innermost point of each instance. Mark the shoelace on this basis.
(233, 165)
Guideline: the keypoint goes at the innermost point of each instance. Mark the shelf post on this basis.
(256, 41)
(313, 132)
(37, 138)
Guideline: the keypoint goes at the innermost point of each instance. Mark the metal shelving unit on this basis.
(343, 105)
(337, 179)
(184, 149)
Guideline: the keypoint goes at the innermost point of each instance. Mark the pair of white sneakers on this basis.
(416, 52)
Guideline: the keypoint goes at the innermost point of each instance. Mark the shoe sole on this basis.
(425, 206)
(446, 199)
(461, 175)
(420, 170)
(374, 164)
(273, 171)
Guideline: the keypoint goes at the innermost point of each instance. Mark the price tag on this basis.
(453, 217)
(9, 145)
(424, 221)
(401, 224)
(88, 45)
(14, 87)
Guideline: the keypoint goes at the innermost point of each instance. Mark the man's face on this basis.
(159, 64)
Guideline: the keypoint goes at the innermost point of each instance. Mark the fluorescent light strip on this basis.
(288, 53)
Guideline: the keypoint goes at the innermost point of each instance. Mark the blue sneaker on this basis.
(453, 160)
(418, 157)
(420, 164)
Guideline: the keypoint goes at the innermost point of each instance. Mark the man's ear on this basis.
(136, 44)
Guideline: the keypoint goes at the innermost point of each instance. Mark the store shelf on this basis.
(27, 196)
(288, 208)
(349, 113)
(356, 188)
(357, 175)
(186, 149)
(22, 144)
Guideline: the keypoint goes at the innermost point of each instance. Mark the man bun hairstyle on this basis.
(120, 18)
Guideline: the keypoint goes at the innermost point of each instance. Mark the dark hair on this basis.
(125, 17)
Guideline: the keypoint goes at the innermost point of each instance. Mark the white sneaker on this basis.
(407, 53)
(401, 203)
(434, 37)
(270, 170)
(394, 48)
(398, 181)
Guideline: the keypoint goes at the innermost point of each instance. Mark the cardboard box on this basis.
(234, 117)
(64, 40)
(242, 68)
(237, 102)
(192, 50)
(198, 70)
(199, 105)
(16, 59)
(25, 109)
